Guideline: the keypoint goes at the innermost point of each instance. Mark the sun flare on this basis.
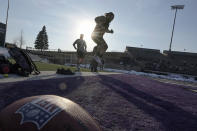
(86, 27)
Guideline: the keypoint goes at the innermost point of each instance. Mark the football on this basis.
(46, 113)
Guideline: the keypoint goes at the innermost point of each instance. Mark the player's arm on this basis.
(85, 45)
(74, 44)
(109, 31)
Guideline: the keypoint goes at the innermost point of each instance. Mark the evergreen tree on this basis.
(42, 40)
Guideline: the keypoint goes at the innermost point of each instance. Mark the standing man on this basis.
(102, 25)
(81, 50)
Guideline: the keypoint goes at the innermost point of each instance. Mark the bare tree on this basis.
(22, 41)
(19, 41)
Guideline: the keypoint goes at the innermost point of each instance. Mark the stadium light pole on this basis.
(174, 7)
(6, 21)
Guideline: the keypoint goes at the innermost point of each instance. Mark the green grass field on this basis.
(53, 67)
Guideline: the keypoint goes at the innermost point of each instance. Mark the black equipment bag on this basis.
(23, 61)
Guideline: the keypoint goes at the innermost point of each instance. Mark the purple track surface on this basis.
(118, 102)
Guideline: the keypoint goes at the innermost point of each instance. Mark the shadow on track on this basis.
(172, 117)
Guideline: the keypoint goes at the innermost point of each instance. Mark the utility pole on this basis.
(175, 7)
(7, 20)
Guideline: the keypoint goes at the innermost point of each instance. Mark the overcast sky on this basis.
(138, 23)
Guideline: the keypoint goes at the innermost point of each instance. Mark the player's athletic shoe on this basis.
(77, 68)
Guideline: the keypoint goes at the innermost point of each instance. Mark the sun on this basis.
(86, 27)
